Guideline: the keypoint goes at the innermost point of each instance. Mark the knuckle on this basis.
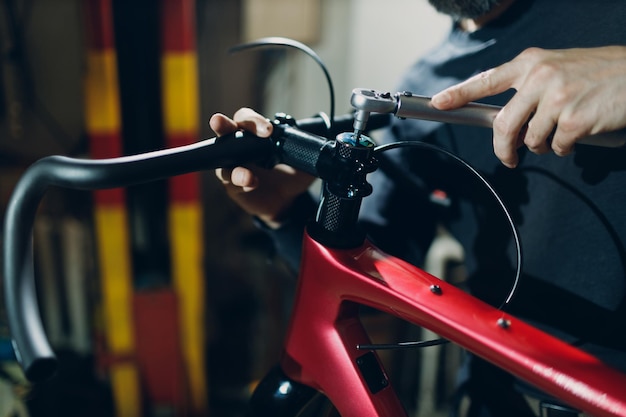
(248, 119)
(562, 147)
(486, 81)
(535, 143)
(532, 54)
(532, 141)
(502, 127)
(571, 124)
(570, 128)
(559, 98)
(545, 71)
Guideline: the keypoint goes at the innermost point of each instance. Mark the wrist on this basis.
(303, 206)
(271, 222)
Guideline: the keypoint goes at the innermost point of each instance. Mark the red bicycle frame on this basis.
(321, 348)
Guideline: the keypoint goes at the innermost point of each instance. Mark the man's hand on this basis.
(267, 194)
(562, 96)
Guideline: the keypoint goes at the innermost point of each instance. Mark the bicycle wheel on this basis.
(319, 406)
(278, 396)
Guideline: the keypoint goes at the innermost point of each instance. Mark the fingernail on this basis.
(441, 99)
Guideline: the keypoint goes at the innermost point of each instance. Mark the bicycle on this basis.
(326, 349)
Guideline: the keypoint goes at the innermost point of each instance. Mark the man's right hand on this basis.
(562, 96)
(265, 193)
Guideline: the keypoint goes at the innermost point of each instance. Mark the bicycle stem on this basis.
(406, 105)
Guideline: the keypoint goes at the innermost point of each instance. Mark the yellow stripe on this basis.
(185, 230)
(115, 277)
(125, 385)
(102, 108)
(179, 83)
(115, 280)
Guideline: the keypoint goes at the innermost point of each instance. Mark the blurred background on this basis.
(164, 299)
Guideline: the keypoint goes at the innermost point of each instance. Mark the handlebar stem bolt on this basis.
(436, 289)
(504, 323)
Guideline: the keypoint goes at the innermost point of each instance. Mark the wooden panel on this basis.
(296, 19)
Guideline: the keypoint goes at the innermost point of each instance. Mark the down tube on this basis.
(321, 345)
(321, 352)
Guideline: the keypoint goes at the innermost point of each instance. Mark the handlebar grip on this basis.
(298, 149)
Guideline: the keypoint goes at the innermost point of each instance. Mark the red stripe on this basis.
(160, 364)
(178, 35)
(178, 26)
(113, 197)
(105, 145)
(185, 188)
(99, 18)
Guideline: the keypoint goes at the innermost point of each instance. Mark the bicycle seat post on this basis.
(344, 174)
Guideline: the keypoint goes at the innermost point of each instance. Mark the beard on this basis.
(464, 9)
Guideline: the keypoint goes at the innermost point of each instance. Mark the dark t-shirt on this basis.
(569, 210)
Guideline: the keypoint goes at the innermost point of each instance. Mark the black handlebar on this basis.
(303, 144)
(298, 143)
(31, 345)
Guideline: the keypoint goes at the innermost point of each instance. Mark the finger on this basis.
(223, 174)
(563, 144)
(487, 83)
(237, 179)
(563, 140)
(221, 124)
(252, 121)
(244, 178)
(539, 131)
(508, 126)
(567, 133)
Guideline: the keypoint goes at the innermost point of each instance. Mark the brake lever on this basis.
(406, 105)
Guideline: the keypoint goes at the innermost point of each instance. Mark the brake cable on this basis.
(515, 234)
